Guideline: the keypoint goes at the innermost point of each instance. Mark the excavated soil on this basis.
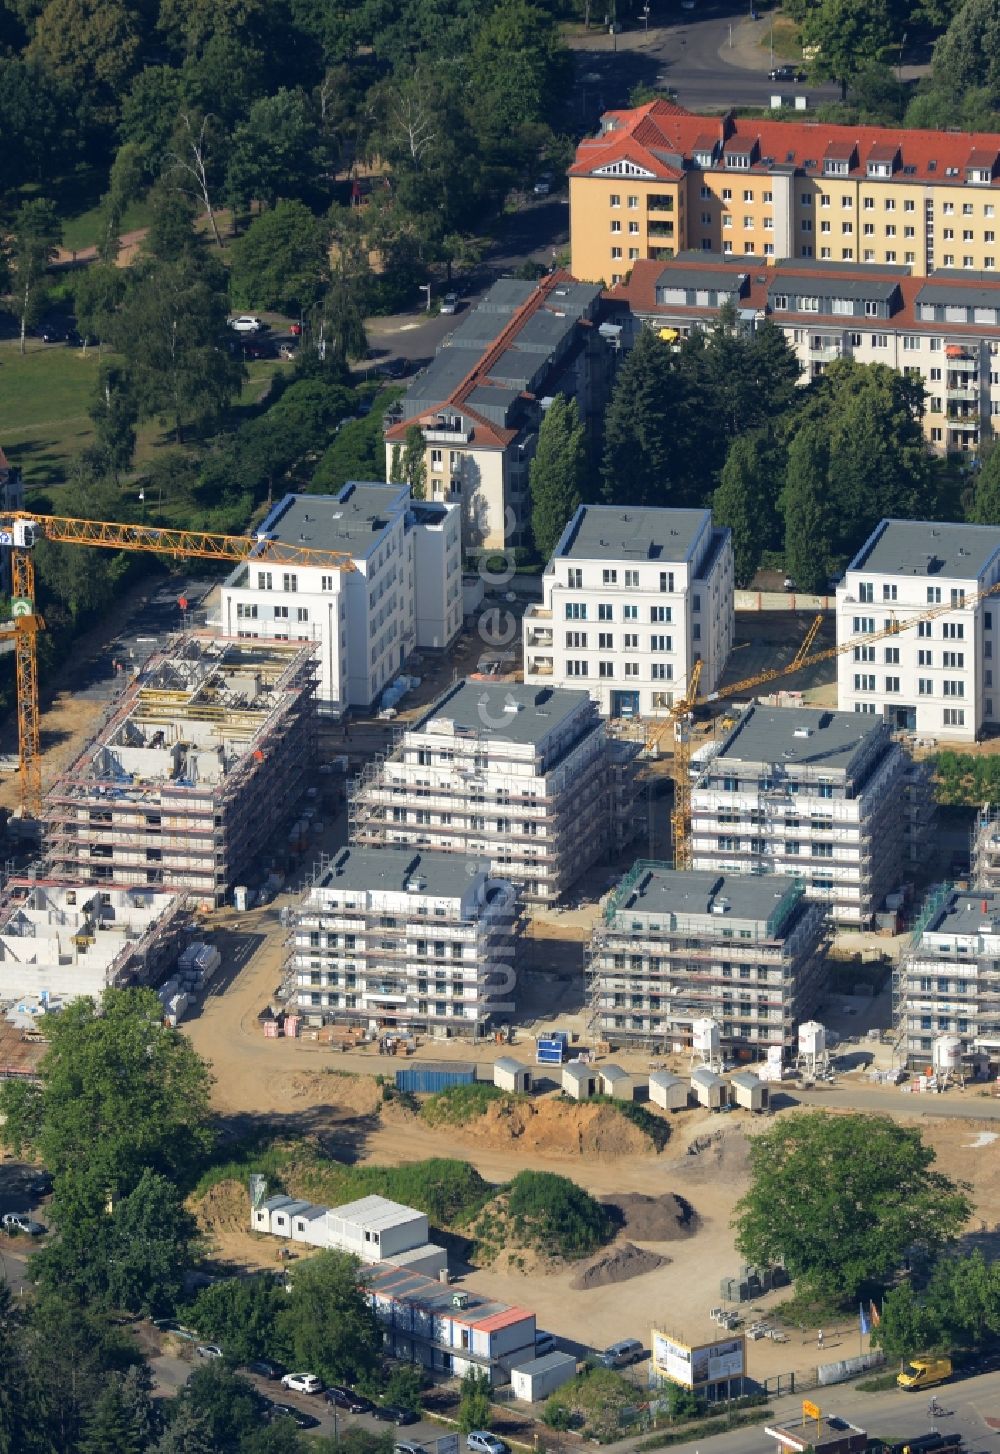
(358, 1095)
(722, 1156)
(557, 1128)
(225, 1207)
(667, 1218)
(618, 1265)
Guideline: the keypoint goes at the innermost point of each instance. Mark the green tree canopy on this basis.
(328, 1325)
(281, 261)
(746, 500)
(644, 444)
(865, 1193)
(985, 508)
(240, 1313)
(558, 473)
(806, 509)
(37, 232)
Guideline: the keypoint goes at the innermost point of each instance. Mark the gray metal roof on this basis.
(361, 869)
(353, 520)
(802, 736)
(697, 279)
(614, 1072)
(608, 532)
(857, 289)
(926, 548)
(664, 1078)
(544, 1364)
(510, 1065)
(747, 1079)
(942, 296)
(376, 1213)
(690, 893)
(704, 1076)
(822, 265)
(577, 1070)
(510, 711)
(506, 296)
(385, 1280)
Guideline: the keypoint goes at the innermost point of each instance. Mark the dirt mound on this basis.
(225, 1207)
(721, 1156)
(667, 1218)
(618, 1265)
(557, 1128)
(355, 1095)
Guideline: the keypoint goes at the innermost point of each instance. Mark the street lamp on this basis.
(645, 15)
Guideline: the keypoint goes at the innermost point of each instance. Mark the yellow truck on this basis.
(924, 1372)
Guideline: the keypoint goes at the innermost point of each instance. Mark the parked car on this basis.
(620, 1354)
(365, 406)
(790, 584)
(543, 186)
(51, 332)
(302, 1382)
(544, 1343)
(259, 348)
(483, 1442)
(19, 1222)
(449, 303)
(786, 73)
(40, 1184)
(209, 1350)
(171, 1325)
(287, 351)
(295, 329)
(299, 1416)
(346, 1398)
(265, 1368)
(247, 323)
(394, 1414)
(408, 1449)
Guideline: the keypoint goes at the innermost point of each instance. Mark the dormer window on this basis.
(833, 167)
(738, 161)
(880, 169)
(980, 167)
(779, 302)
(703, 158)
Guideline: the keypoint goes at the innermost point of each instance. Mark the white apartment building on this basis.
(519, 777)
(936, 678)
(405, 592)
(632, 598)
(395, 938)
(949, 984)
(806, 792)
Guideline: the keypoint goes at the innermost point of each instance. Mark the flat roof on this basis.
(510, 711)
(609, 532)
(928, 548)
(693, 277)
(353, 520)
(720, 896)
(386, 1280)
(361, 868)
(804, 736)
(967, 914)
(376, 1213)
(545, 1363)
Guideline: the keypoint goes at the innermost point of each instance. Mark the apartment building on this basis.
(479, 404)
(404, 593)
(806, 792)
(449, 1330)
(949, 983)
(936, 678)
(631, 599)
(396, 938)
(522, 778)
(193, 772)
(657, 180)
(59, 941)
(676, 946)
(944, 330)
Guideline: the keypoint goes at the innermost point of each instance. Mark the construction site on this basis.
(187, 781)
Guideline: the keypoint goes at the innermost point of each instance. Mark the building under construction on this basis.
(524, 778)
(192, 773)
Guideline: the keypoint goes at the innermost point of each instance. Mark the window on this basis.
(953, 658)
(289, 582)
(631, 668)
(605, 641)
(864, 653)
(615, 225)
(632, 579)
(661, 643)
(892, 656)
(633, 202)
(889, 592)
(615, 199)
(822, 850)
(605, 612)
(630, 641)
(880, 340)
(806, 199)
(924, 629)
(281, 613)
(616, 252)
(605, 668)
(925, 687)
(666, 580)
(245, 612)
(610, 577)
(630, 613)
(892, 684)
(575, 579)
(953, 630)
(863, 682)
(925, 657)
(933, 597)
(326, 583)
(866, 591)
(264, 580)
(301, 613)
(661, 671)
(576, 610)
(576, 639)
(954, 717)
(952, 688)
(863, 625)
(576, 668)
(633, 228)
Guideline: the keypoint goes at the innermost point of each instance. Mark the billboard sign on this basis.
(693, 1367)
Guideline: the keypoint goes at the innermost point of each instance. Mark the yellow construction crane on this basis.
(679, 719)
(21, 531)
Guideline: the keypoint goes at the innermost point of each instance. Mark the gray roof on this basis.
(353, 520)
(822, 265)
(942, 295)
(507, 295)
(926, 548)
(578, 1070)
(704, 1076)
(664, 1078)
(275, 1204)
(614, 1072)
(376, 1213)
(659, 890)
(294, 1209)
(608, 532)
(509, 711)
(510, 1065)
(746, 1079)
(544, 1364)
(388, 1281)
(857, 289)
(359, 869)
(699, 278)
(801, 736)
(964, 914)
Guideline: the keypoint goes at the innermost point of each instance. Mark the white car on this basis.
(208, 1350)
(18, 1222)
(449, 303)
(246, 323)
(485, 1443)
(544, 185)
(408, 1449)
(302, 1382)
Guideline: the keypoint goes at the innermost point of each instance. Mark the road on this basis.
(897, 1415)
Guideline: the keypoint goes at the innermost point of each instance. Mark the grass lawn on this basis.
(44, 398)
(787, 45)
(84, 230)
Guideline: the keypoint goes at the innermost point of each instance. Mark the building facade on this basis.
(936, 678)
(404, 593)
(393, 938)
(814, 794)
(676, 946)
(521, 778)
(480, 403)
(632, 598)
(193, 772)
(949, 983)
(658, 180)
(943, 330)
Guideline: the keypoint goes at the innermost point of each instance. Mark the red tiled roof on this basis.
(883, 151)
(925, 156)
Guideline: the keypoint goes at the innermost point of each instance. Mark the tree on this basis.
(847, 35)
(193, 162)
(745, 501)
(145, 1247)
(475, 1411)
(241, 1313)
(89, 45)
(865, 1194)
(115, 414)
(37, 233)
(413, 461)
(985, 509)
(558, 473)
(643, 443)
(223, 1403)
(273, 152)
(403, 1387)
(108, 1425)
(281, 261)
(967, 56)
(551, 1211)
(328, 1325)
(188, 1431)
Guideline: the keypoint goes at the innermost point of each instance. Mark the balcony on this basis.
(961, 363)
(959, 388)
(538, 666)
(824, 348)
(964, 422)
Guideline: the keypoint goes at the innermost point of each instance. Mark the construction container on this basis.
(710, 1089)
(510, 1075)
(429, 1079)
(580, 1081)
(749, 1092)
(534, 1381)
(668, 1091)
(616, 1083)
(241, 898)
(552, 1049)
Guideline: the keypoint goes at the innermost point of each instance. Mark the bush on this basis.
(655, 1127)
(554, 1214)
(460, 1103)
